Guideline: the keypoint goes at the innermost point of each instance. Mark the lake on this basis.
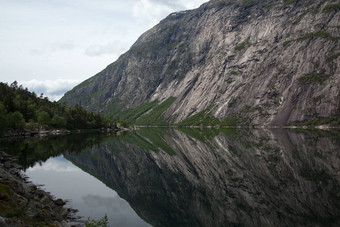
(192, 177)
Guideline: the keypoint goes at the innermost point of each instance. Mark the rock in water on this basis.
(262, 62)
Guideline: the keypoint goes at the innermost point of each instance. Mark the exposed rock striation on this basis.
(267, 62)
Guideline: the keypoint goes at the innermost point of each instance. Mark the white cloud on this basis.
(152, 11)
(53, 47)
(53, 89)
(58, 164)
(192, 4)
(101, 49)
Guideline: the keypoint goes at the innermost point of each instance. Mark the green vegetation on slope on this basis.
(333, 57)
(129, 115)
(21, 109)
(205, 118)
(201, 118)
(312, 35)
(333, 121)
(314, 77)
(149, 113)
(288, 2)
(331, 7)
(241, 46)
(320, 33)
(155, 116)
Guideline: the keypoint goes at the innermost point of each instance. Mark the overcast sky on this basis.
(50, 46)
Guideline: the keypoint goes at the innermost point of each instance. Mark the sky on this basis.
(49, 46)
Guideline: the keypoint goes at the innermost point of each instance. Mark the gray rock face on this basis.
(273, 62)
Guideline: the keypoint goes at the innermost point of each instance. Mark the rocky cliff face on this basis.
(260, 62)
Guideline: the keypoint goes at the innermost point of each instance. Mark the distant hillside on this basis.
(21, 109)
(229, 62)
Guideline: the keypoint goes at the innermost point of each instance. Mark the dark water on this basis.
(186, 177)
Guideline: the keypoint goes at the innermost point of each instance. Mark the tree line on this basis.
(22, 109)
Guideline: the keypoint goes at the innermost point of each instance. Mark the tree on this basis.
(16, 120)
(20, 108)
(14, 85)
(8, 102)
(103, 222)
(3, 118)
(58, 122)
(43, 117)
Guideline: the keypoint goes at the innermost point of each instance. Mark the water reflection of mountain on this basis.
(261, 178)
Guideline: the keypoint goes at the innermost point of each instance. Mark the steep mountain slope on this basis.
(239, 61)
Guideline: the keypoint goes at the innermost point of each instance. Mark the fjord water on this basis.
(190, 177)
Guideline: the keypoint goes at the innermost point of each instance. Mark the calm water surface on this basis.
(186, 177)
(85, 193)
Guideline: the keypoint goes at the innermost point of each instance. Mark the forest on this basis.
(21, 109)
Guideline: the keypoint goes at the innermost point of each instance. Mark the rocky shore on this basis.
(25, 134)
(23, 204)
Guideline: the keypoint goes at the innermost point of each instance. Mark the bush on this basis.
(58, 122)
(285, 43)
(43, 117)
(314, 77)
(103, 222)
(16, 120)
(31, 125)
(241, 46)
(3, 117)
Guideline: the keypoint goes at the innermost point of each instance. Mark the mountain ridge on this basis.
(255, 62)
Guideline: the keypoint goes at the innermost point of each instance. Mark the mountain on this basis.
(264, 62)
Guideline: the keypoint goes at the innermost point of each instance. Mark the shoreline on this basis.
(319, 127)
(23, 203)
(27, 134)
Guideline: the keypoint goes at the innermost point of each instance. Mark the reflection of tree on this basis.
(30, 151)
